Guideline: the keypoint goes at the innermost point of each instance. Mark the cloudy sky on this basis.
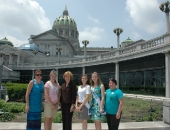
(95, 19)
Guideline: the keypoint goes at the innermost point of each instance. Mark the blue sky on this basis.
(95, 19)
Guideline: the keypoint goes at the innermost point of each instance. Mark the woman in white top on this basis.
(51, 100)
(82, 105)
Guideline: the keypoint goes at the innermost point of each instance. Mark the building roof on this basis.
(29, 47)
(5, 41)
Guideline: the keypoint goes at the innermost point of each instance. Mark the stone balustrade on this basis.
(136, 48)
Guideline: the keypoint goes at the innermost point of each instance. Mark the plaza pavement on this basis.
(77, 126)
(157, 125)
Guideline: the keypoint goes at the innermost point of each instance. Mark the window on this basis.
(60, 32)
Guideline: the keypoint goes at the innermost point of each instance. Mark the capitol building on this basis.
(132, 63)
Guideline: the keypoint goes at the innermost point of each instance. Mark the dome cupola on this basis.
(29, 46)
(5, 41)
(126, 42)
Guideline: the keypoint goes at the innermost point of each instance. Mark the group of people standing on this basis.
(90, 101)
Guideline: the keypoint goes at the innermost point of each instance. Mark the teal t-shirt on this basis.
(112, 100)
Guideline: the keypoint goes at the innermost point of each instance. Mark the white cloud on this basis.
(24, 17)
(16, 42)
(92, 34)
(145, 14)
(136, 36)
(93, 19)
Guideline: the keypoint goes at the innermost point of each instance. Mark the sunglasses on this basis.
(38, 75)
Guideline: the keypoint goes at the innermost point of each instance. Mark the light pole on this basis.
(164, 7)
(118, 31)
(85, 43)
(1, 67)
(35, 52)
(59, 48)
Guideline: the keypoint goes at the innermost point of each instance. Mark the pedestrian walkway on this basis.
(146, 97)
(77, 126)
(158, 125)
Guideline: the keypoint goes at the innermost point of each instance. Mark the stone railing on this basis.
(10, 74)
(121, 52)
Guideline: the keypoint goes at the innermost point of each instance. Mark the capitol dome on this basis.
(5, 41)
(64, 20)
(66, 26)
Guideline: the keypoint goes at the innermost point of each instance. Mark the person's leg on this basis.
(47, 123)
(84, 124)
(98, 125)
(69, 117)
(63, 111)
(50, 123)
(114, 122)
(108, 121)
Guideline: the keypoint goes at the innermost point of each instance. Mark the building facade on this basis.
(135, 63)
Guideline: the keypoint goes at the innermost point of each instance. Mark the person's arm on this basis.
(102, 98)
(84, 102)
(121, 102)
(47, 97)
(29, 88)
(86, 98)
(58, 93)
(74, 94)
(77, 108)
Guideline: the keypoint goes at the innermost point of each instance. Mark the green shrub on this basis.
(16, 92)
(17, 108)
(7, 116)
(2, 103)
(58, 117)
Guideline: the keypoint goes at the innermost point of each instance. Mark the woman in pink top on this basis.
(51, 100)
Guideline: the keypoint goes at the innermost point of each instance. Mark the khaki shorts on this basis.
(48, 111)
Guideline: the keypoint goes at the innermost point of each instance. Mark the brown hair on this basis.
(81, 78)
(38, 71)
(98, 80)
(68, 73)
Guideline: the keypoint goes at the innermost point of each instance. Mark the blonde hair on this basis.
(98, 80)
(68, 73)
(54, 73)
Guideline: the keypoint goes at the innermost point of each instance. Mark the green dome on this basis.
(5, 41)
(64, 20)
(128, 40)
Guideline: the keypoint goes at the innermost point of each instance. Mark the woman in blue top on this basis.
(113, 105)
(34, 98)
(97, 104)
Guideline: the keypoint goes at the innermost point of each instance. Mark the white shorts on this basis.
(48, 111)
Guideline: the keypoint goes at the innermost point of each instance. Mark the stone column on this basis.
(10, 60)
(83, 70)
(167, 74)
(33, 74)
(117, 73)
(2, 60)
(18, 59)
(166, 111)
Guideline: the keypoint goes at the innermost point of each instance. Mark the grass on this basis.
(134, 110)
